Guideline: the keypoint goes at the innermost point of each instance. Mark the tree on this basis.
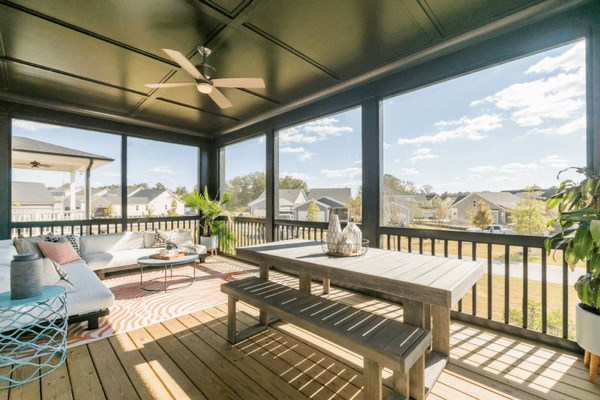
(150, 212)
(529, 216)
(288, 182)
(441, 209)
(426, 189)
(244, 189)
(355, 206)
(159, 186)
(312, 214)
(181, 190)
(481, 215)
(108, 211)
(393, 184)
(172, 212)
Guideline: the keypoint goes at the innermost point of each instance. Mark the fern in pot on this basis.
(214, 219)
(578, 218)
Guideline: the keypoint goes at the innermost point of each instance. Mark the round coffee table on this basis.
(155, 262)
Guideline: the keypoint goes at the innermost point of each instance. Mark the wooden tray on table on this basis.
(173, 257)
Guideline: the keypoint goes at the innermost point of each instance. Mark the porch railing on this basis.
(524, 291)
(96, 226)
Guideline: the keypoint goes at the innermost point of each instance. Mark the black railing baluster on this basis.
(409, 244)
(506, 284)
(446, 248)
(420, 245)
(525, 286)
(432, 247)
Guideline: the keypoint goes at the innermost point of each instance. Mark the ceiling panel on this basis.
(345, 36)
(33, 40)
(25, 81)
(459, 16)
(148, 25)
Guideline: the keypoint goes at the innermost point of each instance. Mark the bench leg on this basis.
(372, 372)
(263, 317)
(440, 334)
(416, 378)
(305, 283)
(231, 319)
(400, 384)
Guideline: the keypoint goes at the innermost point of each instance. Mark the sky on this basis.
(507, 127)
(149, 161)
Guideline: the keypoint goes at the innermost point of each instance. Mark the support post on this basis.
(231, 318)
(272, 187)
(124, 167)
(371, 170)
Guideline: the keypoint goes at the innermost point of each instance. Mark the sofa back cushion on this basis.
(111, 242)
(181, 237)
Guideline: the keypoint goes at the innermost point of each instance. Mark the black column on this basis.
(371, 170)
(124, 167)
(271, 187)
(5, 173)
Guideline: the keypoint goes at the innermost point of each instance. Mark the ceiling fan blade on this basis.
(219, 98)
(169, 85)
(184, 63)
(250, 83)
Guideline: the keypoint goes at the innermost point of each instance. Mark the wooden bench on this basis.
(382, 342)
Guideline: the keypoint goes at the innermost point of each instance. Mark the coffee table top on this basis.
(189, 257)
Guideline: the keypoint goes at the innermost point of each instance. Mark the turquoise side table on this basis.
(33, 332)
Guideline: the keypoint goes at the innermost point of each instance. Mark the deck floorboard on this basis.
(189, 358)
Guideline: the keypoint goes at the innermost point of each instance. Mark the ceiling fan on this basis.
(203, 75)
(34, 164)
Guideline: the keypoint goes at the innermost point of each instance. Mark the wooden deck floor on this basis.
(189, 358)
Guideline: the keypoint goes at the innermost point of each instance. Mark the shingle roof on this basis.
(35, 146)
(342, 195)
(330, 202)
(149, 194)
(31, 193)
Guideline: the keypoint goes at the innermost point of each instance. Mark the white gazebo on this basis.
(34, 154)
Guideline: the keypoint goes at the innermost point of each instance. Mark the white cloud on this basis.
(554, 161)
(342, 173)
(112, 174)
(483, 168)
(386, 145)
(423, 153)
(359, 162)
(292, 150)
(408, 171)
(297, 175)
(313, 131)
(31, 126)
(570, 60)
(162, 169)
(307, 155)
(557, 97)
(576, 125)
(463, 128)
(261, 139)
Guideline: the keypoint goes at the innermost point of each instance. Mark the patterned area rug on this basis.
(135, 308)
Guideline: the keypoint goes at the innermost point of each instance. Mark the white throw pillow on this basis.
(7, 253)
(181, 237)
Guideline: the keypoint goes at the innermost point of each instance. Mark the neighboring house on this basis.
(288, 200)
(325, 204)
(501, 205)
(140, 203)
(32, 201)
(541, 194)
(398, 208)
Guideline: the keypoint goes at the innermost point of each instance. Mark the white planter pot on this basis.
(211, 242)
(588, 330)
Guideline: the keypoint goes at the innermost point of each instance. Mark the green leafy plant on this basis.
(212, 212)
(578, 205)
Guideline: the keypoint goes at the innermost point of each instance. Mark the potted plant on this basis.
(214, 227)
(578, 218)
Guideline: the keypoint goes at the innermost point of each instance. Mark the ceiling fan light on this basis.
(204, 87)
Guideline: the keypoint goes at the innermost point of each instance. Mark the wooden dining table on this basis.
(428, 286)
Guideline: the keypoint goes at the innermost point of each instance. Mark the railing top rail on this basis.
(479, 237)
(250, 219)
(98, 221)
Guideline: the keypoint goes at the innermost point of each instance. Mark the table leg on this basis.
(440, 334)
(304, 284)
(326, 285)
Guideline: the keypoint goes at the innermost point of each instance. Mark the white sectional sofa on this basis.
(90, 298)
(101, 254)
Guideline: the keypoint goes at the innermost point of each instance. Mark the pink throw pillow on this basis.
(62, 252)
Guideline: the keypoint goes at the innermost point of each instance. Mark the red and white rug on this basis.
(135, 308)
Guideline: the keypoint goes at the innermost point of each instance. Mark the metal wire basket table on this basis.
(33, 335)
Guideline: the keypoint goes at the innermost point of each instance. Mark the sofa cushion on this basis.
(149, 239)
(111, 242)
(7, 253)
(61, 252)
(91, 295)
(103, 260)
(28, 245)
(181, 237)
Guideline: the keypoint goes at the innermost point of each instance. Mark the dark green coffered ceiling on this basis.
(97, 55)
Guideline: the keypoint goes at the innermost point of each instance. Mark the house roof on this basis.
(31, 193)
(328, 201)
(506, 200)
(34, 154)
(286, 196)
(341, 195)
(149, 194)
